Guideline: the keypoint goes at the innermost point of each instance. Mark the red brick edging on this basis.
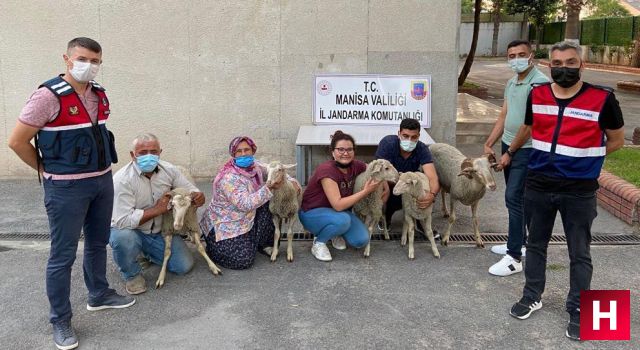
(619, 197)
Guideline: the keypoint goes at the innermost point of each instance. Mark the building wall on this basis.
(196, 73)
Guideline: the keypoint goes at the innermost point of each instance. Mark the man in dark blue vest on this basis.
(74, 150)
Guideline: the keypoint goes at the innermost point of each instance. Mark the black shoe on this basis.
(419, 229)
(524, 308)
(110, 300)
(573, 328)
(63, 335)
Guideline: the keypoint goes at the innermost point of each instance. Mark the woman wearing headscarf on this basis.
(237, 223)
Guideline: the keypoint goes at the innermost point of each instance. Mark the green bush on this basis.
(541, 53)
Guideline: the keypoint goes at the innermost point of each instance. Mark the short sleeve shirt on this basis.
(389, 149)
(43, 107)
(515, 95)
(314, 196)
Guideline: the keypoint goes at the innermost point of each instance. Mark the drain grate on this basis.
(596, 239)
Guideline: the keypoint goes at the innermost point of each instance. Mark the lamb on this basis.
(182, 215)
(466, 180)
(283, 206)
(411, 186)
(370, 207)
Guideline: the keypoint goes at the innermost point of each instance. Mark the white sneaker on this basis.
(338, 243)
(506, 266)
(502, 249)
(320, 251)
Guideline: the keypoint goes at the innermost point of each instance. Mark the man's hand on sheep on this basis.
(162, 204)
(426, 201)
(197, 198)
(505, 160)
(489, 150)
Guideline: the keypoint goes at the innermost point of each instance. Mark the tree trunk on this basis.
(497, 4)
(474, 43)
(635, 57)
(572, 29)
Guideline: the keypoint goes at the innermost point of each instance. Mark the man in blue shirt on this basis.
(406, 153)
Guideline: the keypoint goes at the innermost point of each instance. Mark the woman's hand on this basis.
(371, 185)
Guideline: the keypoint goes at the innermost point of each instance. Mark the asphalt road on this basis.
(493, 74)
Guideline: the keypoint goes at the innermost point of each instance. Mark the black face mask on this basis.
(343, 166)
(565, 76)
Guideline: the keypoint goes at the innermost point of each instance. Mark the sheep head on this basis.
(276, 172)
(382, 170)
(180, 204)
(480, 169)
(409, 183)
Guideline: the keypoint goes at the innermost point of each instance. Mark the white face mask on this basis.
(84, 72)
(520, 64)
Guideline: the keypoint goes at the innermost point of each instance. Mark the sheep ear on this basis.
(467, 163)
(377, 167)
(468, 173)
(289, 166)
(414, 181)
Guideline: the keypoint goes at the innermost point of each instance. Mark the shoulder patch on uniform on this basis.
(96, 86)
(58, 86)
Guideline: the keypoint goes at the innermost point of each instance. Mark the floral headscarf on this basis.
(253, 172)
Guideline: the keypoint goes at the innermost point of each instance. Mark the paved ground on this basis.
(384, 302)
(493, 73)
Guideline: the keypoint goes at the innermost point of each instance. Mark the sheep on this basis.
(370, 207)
(182, 215)
(414, 185)
(466, 180)
(283, 206)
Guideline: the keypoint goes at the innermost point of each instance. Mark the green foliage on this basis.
(592, 32)
(624, 163)
(619, 30)
(466, 6)
(541, 53)
(606, 8)
(539, 11)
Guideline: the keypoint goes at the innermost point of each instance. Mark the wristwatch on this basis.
(510, 153)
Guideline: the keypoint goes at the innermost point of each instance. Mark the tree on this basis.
(466, 6)
(572, 28)
(538, 11)
(474, 43)
(606, 8)
(497, 8)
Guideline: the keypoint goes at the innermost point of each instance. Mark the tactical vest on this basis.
(567, 141)
(72, 143)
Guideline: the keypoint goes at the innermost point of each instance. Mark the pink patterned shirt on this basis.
(232, 213)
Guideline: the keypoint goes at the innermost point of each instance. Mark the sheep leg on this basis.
(276, 238)
(212, 266)
(445, 212)
(476, 226)
(385, 230)
(165, 260)
(369, 224)
(405, 229)
(426, 224)
(411, 232)
(290, 241)
(452, 219)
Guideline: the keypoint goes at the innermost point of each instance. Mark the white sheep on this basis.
(466, 180)
(414, 185)
(283, 205)
(370, 207)
(182, 215)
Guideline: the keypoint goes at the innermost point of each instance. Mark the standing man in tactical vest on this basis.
(67, 116)
(573, 125)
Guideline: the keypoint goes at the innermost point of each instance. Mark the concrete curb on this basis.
(629, 85)
(620, 198)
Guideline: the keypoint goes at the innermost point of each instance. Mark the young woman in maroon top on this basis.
(327, 201)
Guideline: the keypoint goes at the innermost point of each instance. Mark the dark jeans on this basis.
(514, 176)
(72, 206)
(577, 211)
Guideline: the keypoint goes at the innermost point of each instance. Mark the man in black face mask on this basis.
(573, 125)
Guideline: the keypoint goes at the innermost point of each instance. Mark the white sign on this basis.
(372, 99)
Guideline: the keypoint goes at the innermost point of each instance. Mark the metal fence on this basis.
(620, 31)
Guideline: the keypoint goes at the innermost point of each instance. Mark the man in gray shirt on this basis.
(141, 196)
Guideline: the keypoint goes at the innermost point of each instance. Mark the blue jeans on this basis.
(127, 244)
(326, 223)
(72, 206)
(577, 210)
(514, 177)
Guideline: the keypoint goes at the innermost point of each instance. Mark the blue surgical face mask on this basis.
(519, 65)
(147, 162)
(244, 161)
(408, 145)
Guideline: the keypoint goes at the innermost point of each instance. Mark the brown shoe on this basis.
(136, 285)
